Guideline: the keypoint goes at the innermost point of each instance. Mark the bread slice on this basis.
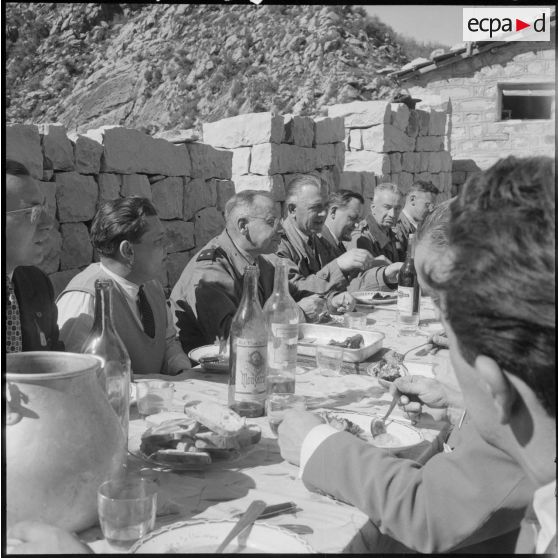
(216, 417)
(210, 440)
(179, 457)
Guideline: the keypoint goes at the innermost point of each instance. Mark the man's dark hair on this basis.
(423, 186)
(342, 198)
(498, 294)
(118, 220)
(15, 168)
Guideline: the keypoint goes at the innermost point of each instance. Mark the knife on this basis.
(276, 509)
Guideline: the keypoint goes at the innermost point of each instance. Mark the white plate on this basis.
(407, 435)
(198, 537)
(365, 298)
(208, 351)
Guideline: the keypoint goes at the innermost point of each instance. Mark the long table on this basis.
(225, 489)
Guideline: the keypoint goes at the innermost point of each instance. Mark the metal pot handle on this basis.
(13, 404)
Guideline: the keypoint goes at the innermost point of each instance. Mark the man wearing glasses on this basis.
(30, 310)
(208, 292)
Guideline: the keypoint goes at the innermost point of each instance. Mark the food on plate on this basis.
(389, 367)
(342, 424)
(386, 440)
(379, 296)
(354, 342)
(217, 418)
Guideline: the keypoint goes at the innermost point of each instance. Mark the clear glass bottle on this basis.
(408, 293)
(248, 354)
(103, 341)
(282, 317)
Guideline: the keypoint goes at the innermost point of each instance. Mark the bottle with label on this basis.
(408, 294)
(103, 341)
(248, 354)
(282, 317)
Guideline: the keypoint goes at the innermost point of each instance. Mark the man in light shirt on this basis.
(131, 243)
(497, 298)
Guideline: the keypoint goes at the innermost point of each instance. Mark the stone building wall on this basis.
(388, 142)
(188, 183)
(478, 136)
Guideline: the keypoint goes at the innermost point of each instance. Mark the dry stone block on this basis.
(168, 197)
(405, 181)
(413, 124)
(130, 151)
(410, 162)
(109, 186)
(211, 185)
(299, 130)
(61, 279)
(329, 130)
(87, 154)
(325, 155)
(445, 157)
(424, 161)
(23, 144)
(180, 236)
(241, 161)
(76, 247)
(49, 191)
(51, 251)
(272, 158)
(393, 178)
(435, 179)
(434, 162)
(208, 223)
(208, 162)
(224, 191)
(355, 139)
(76, 197)
(445, 181)
(430, 143)
(175, 265)
(326, 179)
(386, 139)
(458, 177)
(244, 130)
(340, 155)
(273, 184)
(136, 185)
(347, 140)
(437, 123)
(57, 148)
(399, 115)
(196, 196)
(336, 177)
(369, 161)
(395, 162)
(423, 122)
(423, 176)
(368, 184)
(361, 114)
(351, 180)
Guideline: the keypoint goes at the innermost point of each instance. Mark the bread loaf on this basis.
(218, 418)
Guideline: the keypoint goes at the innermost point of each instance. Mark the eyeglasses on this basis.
(274, 226)
(35, 210)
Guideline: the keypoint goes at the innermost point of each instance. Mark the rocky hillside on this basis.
(158, 67)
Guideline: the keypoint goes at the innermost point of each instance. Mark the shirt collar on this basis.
(131, 289)
(305, 237)
(238, 251)
(332, 234)
(410, 219)
(544, 506)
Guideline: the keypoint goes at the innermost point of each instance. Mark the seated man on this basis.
(208, 292)
(343, 214)
(473, 495)
(377, 235)
(130, 240)
(314, 268)
(418, 204)
(30, 309)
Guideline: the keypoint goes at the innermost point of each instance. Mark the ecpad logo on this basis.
(506, 24)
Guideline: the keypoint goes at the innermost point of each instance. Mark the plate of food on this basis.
(375, 298)
(205, 433)
(398, 436)
(210, 359)
(203, 537)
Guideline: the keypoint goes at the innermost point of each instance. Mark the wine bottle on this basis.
(282, 317)
(408, 293)
(103, 341)
(248, 354)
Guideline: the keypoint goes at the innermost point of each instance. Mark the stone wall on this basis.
(478, 136)
(188, 183)
(269, 150)
(388, 142)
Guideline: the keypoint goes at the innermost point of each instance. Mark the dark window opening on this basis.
(524, 101)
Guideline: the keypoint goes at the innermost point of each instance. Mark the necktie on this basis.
(342, 247)
(146, 313)
(13, 322)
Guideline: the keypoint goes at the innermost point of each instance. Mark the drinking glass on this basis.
(276, 405)
(154, 396)
(355, 320)
(127, 507)
(329, 359)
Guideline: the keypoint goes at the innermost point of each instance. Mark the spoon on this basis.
(378, 425)
(248, 517)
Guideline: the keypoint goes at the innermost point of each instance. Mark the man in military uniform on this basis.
(377, 235)
(344, 213)
(207, 294)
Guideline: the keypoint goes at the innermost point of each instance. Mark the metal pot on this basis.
(63, 439)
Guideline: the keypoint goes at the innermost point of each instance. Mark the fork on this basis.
(378, 425)
(250, 515)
